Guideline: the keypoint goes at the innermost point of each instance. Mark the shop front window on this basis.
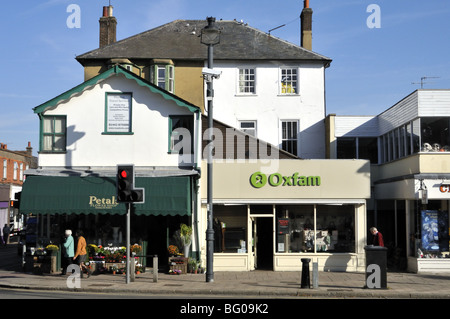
(230, 229)
(333, 230)
(432, 228)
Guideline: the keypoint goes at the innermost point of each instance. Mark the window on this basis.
(5, 169)
(248, 127)
(16, 166)
(435, 134)
(53, 134)
(289, 81)
(163, 75)
(289, 136)
(346, 147)
(21, 172)
(358, 147)
(316, 228)
(247, 81)
(368, 149)
(181, 134)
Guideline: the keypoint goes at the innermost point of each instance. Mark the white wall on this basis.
(87, 146)
(269, 108)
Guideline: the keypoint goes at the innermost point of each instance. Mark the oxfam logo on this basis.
(259, 180)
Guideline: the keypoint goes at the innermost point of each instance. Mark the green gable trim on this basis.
(114, 71)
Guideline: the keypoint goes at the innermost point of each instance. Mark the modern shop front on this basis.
(270, 215)
(425, 199)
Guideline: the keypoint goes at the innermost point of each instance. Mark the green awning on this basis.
(97, 195)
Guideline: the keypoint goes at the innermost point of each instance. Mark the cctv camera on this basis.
(211, 72)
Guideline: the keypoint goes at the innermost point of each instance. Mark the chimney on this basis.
(108, 25)
(29, 149)
(306, 26)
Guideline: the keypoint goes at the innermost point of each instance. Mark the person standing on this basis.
(68, 250)
(377, 239)
(6, 232)
(80, 254)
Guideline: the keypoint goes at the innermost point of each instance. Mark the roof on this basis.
(115, 71)
(180, 39)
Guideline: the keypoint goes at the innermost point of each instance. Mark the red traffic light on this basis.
(124, 174)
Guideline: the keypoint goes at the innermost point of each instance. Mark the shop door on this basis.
(263, 242)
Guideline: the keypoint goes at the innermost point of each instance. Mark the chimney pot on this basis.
(105, 11)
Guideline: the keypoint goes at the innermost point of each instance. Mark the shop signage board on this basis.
(290, 179)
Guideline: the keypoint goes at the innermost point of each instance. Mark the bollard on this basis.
(132, 270)
(306, 283)
(155, 268)
(315, 275)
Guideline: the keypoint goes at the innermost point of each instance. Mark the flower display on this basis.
(173, 250)
(52, 247)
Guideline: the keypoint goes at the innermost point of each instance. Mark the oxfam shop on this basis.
(271, 215)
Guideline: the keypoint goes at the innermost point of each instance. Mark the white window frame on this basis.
(290, 139)
(253, 131)
(246, 81)
(167, 81)
(15, 169)
(288, 84)
(5, 169)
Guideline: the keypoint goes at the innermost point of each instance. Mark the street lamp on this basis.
(210, 36)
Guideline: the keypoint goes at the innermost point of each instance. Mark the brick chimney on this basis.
(306, 26)
(108, 25)
(29, 149)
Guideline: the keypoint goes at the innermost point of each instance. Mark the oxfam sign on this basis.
(259, 180)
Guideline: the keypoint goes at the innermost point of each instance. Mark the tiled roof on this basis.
(180, 39)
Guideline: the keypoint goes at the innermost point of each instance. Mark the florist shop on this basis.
(89, 203)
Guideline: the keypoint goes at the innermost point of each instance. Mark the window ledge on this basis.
(117, 133)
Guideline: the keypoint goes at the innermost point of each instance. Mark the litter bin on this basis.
(376, 267)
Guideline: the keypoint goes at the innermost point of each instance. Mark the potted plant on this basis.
(186, 237)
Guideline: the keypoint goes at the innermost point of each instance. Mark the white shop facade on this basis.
(271, 214)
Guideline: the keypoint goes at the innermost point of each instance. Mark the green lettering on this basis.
(279, 179)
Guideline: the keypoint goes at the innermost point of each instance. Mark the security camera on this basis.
(211, 73)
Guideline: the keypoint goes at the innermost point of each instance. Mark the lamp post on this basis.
(210, 36)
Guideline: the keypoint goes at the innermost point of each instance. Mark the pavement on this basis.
(251, 284)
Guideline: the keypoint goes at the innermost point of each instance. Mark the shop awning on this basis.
(97, 195)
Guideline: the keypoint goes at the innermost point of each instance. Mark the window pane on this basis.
(368, 149)
(60, 125)
(435, 134)
(335, 228)
(246, 80)
(346, 147)
(47, 143)
(60, 143)
(48, 125)
(288, 81)
(289, 140)
(300, 234)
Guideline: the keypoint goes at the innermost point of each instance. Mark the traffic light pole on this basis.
(128, 242)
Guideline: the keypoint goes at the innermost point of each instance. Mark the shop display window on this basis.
(333, 230)
(431, 225)
(230, 228)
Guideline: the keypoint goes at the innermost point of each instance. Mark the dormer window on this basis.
(163, 74)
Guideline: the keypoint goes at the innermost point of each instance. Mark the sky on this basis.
(380, 48)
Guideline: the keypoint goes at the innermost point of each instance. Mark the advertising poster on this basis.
(434, 230)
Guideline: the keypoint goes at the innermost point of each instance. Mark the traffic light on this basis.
(15, 203)
(126, 193)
